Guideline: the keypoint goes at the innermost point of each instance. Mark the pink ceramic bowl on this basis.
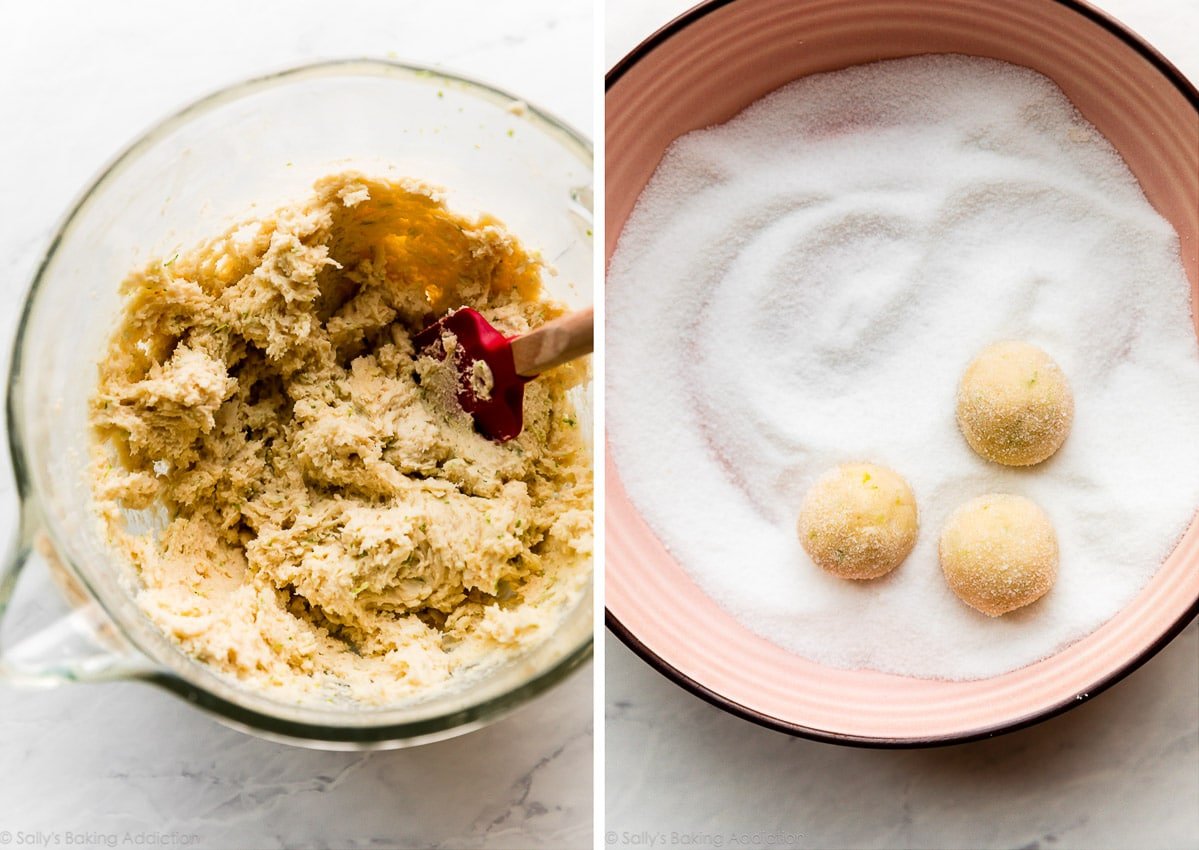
(705, 67)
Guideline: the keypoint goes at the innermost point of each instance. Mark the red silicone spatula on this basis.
(513, 362)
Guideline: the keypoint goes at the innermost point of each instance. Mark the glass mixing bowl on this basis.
(245, 149)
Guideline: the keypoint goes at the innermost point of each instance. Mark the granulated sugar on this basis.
(805, 285)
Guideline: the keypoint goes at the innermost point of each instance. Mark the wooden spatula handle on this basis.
(554, 343)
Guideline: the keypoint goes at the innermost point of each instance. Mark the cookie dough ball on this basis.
(858, 521)
(1014, 404)
(999, 553)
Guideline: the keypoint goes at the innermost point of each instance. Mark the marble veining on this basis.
(100, 761)
(1120, 771)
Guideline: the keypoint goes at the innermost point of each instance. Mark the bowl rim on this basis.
(235, 714)
(1189, 91)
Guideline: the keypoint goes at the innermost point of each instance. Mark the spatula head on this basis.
(488, 387)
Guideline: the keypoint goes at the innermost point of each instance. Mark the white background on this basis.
(1119, 772)
(78, 80)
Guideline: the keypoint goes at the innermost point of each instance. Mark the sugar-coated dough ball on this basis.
(1014, 404)
(858, 521)
(999, 553)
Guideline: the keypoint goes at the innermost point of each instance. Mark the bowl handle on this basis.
(49, 638)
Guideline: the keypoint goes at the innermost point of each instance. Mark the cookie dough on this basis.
(325, 522)
(1014, 404)
(999, 553)
(858, 521)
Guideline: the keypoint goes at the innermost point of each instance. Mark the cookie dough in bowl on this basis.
(707, 188)
(310, 514)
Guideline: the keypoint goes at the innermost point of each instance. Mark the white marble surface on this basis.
(80, 80)
(1119, 772)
